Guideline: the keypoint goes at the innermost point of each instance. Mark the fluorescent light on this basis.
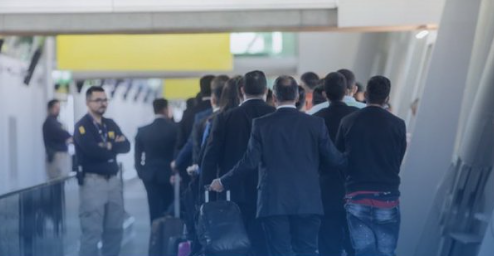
(422, 34)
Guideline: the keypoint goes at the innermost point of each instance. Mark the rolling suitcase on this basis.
(166, 228)
(174, 244)
(221, 230)
(184, 248)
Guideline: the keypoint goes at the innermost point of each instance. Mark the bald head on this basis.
(286, 89)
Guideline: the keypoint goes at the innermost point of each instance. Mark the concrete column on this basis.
(483, 37)
(369, 48)
(431, 150)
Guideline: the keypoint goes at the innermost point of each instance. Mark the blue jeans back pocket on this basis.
(386, 215)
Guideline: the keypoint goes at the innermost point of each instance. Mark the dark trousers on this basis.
(254, 230)
(373, 231)
(292, 235)
(334, 237)
(160, 197)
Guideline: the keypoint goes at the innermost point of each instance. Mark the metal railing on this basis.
(33, 220)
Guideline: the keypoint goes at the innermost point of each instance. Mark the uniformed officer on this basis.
(97, 141)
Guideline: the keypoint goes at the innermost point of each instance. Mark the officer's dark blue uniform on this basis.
(101, 198)
(92, 157)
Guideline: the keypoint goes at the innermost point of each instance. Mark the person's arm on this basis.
(56, 132)
(205, 137)
(197, 140)
(184, 157)
(121, 144)
(89, 146)
(330, 157)
(403, 141)
(182, 133)
(249, 162)
(138, 150)
(340, 138)
(212, 151)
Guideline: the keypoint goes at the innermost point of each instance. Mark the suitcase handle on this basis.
(176, 195)
(206, 194)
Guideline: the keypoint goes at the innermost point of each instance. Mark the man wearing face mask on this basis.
(97, 141)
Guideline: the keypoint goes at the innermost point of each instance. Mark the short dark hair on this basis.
(378, 89)
(255, 83)
(92, 89)
(350, 78)
(52, 103)
(285, 88)
(159, 105)
(301, 98)
(335, 86)
(205, 84)
(217, 85)
(311, 79)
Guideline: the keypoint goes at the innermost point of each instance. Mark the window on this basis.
(262, 44)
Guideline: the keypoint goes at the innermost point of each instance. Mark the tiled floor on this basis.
(136, 205)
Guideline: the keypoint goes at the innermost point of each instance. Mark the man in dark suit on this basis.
(333, 235)
(289, 147)
(229, 138)
(185, 144)
(154, 151)
(203, 103)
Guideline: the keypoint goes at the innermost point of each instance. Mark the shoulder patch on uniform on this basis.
(82, 130)
(111, 135)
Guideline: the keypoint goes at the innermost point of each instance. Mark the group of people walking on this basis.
(322, 182)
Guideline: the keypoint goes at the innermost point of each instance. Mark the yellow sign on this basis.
(176, 52)
(180, 88)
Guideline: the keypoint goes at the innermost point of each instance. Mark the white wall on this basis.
(25, 105)
(324, 52)
(400, 56)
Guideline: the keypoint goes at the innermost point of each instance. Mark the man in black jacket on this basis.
(229, 137)
(333, 235)
(185, 143)
(372, 176)
(154, 151)
(187, 122)
(289, 147)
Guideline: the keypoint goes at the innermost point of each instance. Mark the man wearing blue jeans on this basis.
(375, 143)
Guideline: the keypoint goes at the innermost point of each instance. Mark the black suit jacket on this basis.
(289, 147)
(333, 182)
(227, 144)
(154, 150)
(187, 122)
